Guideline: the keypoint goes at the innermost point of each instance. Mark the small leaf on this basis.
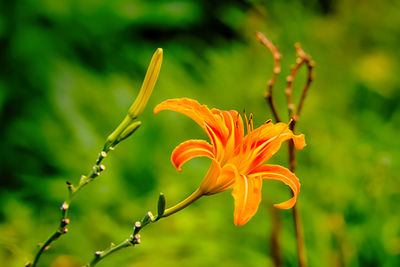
(161, 206)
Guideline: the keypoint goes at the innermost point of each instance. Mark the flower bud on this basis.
(129, 130)
(161, 206)
(148, 85)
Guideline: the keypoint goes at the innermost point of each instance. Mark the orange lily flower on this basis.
(237, 160)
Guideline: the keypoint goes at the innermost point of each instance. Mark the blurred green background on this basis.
(71, 69)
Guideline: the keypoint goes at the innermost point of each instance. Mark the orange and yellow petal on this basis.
(216, 141)
(247, 196)
(279, 173)
(190, 149)
(210, 180)
(273, 135)
(299, 141)
(211, 121)
(225, 180)
(195, 111)
(234, 123)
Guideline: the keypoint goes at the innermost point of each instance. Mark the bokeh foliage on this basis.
(70, 70)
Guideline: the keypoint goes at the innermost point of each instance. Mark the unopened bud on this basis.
(65, 222)
(148, 84)
(137, 239)
(161, 205)
(64, 206)
(151, 216)
(129, 130)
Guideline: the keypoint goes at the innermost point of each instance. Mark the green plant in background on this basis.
(70, 69)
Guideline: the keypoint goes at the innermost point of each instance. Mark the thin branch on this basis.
(133, 239)
(276, 222)
(310, 77)
(303, 58)
(99, 255)
(123, 131)
(277, 69)
(298, 224)
(289, 88)
(62, 228)
(274, 239)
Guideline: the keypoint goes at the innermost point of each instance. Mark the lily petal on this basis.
(225, 180)
(199, 113)
(269, 131)
(190, 149)
(272, 138)
(279, 173)
(234, 123)
(247, 195)
(210, 180)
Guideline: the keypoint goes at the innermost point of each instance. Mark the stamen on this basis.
(247, 122)
(268, 121)
(251, 122)
(290, 122)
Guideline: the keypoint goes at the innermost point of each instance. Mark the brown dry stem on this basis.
(294, 114)
(303, 59)
(277, 69)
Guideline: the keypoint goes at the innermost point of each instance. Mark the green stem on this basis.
(117, 132)
(43, 247)
(189, 200)
(61, 230)
(99, 256)
(135, 238)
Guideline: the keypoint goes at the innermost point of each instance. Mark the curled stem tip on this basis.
(276, 70)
